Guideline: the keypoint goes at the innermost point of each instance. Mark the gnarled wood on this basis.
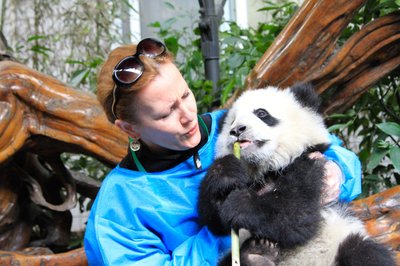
(364, 59)
(304, 44)
(33, 104)
(381, 215)
(75, 257)
(40, 118)
(306, 51)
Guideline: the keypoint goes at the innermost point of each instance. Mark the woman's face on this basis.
(167, 112)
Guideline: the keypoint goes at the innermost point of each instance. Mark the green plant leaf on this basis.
(394, 154)
(236, 60)
(39, 49)
(78, 77)
(381, 144)
(172, 44)
(340, 116)
(375, 159)
(390, 128)
(339, 126)
(35, 37)
(372, 178)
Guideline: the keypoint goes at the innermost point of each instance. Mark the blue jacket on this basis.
(151, 218)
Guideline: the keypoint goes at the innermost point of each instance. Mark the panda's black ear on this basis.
(306, 95)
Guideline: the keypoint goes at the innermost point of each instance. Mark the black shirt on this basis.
(155, 162)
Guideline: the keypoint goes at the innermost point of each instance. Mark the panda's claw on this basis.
(259, 252)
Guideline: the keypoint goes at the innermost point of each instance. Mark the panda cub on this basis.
(274, 190)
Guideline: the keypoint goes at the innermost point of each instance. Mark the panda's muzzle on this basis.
(237, 131)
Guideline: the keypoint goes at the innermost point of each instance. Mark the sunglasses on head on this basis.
(131, 68)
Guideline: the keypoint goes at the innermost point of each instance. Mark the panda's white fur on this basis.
(274, 190)
(285, 141)
(322, 249)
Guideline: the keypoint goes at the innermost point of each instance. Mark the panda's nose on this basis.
(236, 131)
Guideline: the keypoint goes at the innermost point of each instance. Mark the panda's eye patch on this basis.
(261, 113)
(266, 117)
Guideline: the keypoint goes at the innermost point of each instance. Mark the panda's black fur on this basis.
(274, 190)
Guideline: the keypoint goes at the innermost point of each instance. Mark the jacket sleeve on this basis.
(114, 244)
(350, 166)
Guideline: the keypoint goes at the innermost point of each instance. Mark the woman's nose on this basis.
(187, 115)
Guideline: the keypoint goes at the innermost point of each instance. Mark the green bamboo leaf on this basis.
(35, 37)
(79, 77)
(394, 154)
(390, 128)
(72, 62)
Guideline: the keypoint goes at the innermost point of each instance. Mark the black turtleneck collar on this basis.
(155, 163)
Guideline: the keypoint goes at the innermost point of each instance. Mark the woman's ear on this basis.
(127, 127)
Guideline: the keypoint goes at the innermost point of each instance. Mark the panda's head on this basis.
(273, 126)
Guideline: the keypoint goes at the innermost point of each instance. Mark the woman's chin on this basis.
(192, 141)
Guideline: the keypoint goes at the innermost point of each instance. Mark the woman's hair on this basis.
(125, 107)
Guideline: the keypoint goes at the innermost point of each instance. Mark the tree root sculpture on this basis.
(307, 50)
(41, 118)
(381, 215)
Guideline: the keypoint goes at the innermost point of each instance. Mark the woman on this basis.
(145, 211)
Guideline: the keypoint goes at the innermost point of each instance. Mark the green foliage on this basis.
(374, 124)
(86, 73)
(240, 49)
(85, 164)
(73, 47)
(371, 126)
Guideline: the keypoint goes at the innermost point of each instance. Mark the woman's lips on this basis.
(192, 131)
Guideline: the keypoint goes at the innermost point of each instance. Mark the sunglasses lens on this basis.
(151, 47)
(128, 70)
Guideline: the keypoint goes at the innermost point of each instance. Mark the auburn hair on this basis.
(125, 108)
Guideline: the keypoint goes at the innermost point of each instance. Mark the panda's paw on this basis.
(238, 211)
(232, 167)
(259, 252)
(225, 175)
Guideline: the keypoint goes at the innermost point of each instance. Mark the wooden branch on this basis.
(35, 104)
(63, 175)
(304, 44)
(369, 55)
(75, 257)
(40, 115)
(381, 215)
(305, 51)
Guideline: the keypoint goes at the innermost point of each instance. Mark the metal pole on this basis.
(209, 24)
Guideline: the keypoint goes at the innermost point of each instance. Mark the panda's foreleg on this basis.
(224, 176)
(289, 214)
(357, 250)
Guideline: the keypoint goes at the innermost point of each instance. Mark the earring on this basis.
(135, 144)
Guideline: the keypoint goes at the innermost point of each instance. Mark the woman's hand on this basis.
(333, 179)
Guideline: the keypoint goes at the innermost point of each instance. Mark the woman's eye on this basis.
(186, 94)
(162, 116)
